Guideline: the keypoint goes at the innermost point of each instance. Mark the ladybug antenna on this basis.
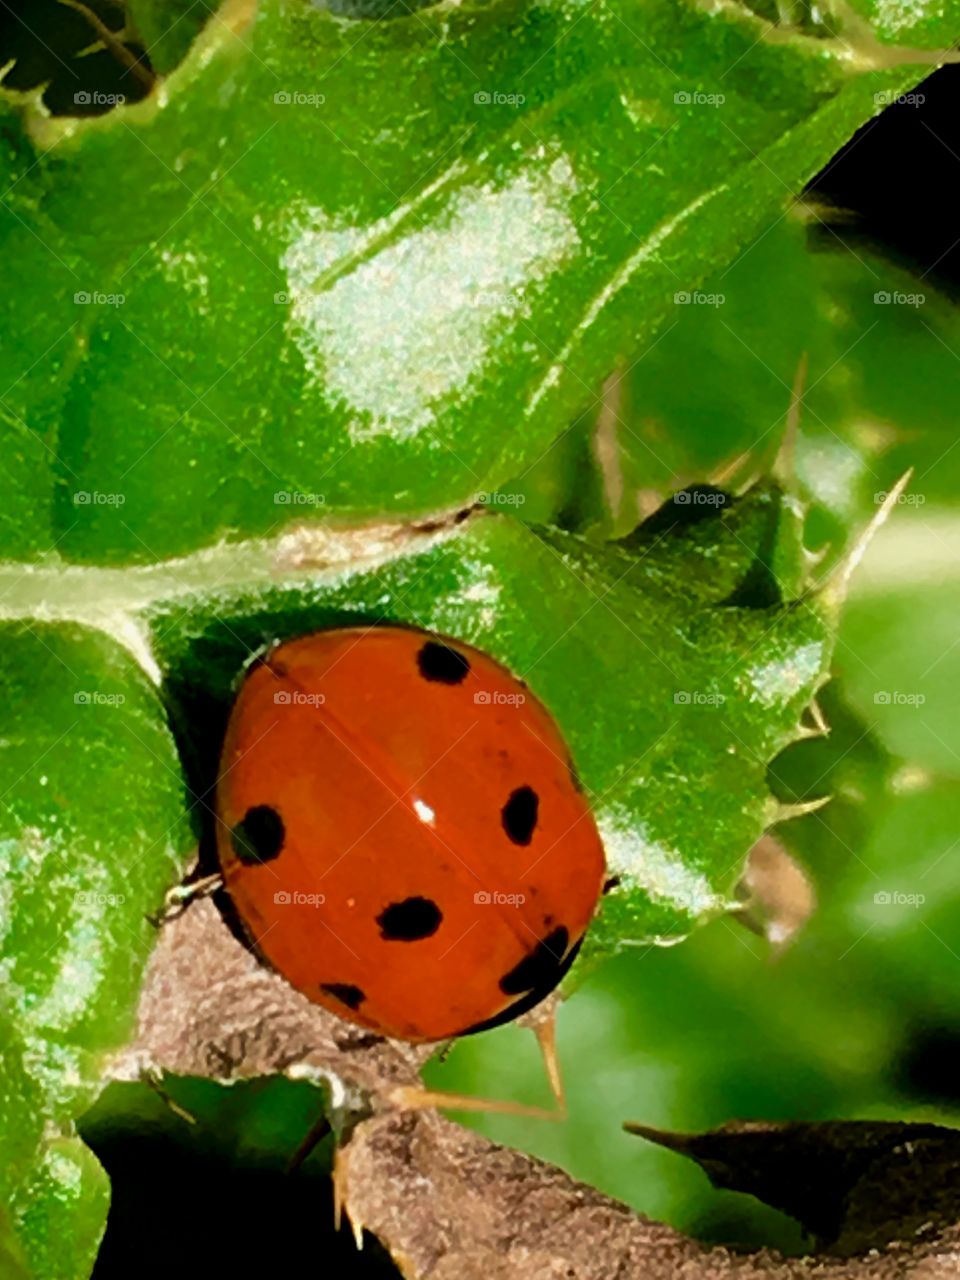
(545, 1029)
(413, 1098)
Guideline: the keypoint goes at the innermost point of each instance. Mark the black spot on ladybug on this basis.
(258, 837)
(519, 815)
(409, 920)
(440, 663)
(345, 992)
(528, 1001)
(612, 883)
(540, 969)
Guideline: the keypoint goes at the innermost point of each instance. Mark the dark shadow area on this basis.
(215, 1198)
(929, 1063)
(893, 183)
(60, 47)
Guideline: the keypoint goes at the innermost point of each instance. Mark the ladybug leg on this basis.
(544, 1027)
(445, 1049)
(413, 1098)
(181, 895)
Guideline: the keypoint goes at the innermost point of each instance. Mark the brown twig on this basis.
(114, 44)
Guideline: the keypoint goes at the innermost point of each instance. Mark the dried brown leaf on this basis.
(210, 1008)
(778, 895)
(855, 1184)
(449, 1205)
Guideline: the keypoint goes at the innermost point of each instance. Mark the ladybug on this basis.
(402, 833)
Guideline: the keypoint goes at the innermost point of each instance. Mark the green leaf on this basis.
(676, 666)
(858, 1016)
(905, 680)
(850, 765)
(882, 382)
(925, 24)
(60, 1211)
(92, 832)
(28, 452)
(303, 306)
(290, 307)
(169, 27)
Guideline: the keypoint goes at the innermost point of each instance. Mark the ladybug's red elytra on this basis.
(401, 831)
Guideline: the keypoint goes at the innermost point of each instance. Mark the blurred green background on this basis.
(860, 1016)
